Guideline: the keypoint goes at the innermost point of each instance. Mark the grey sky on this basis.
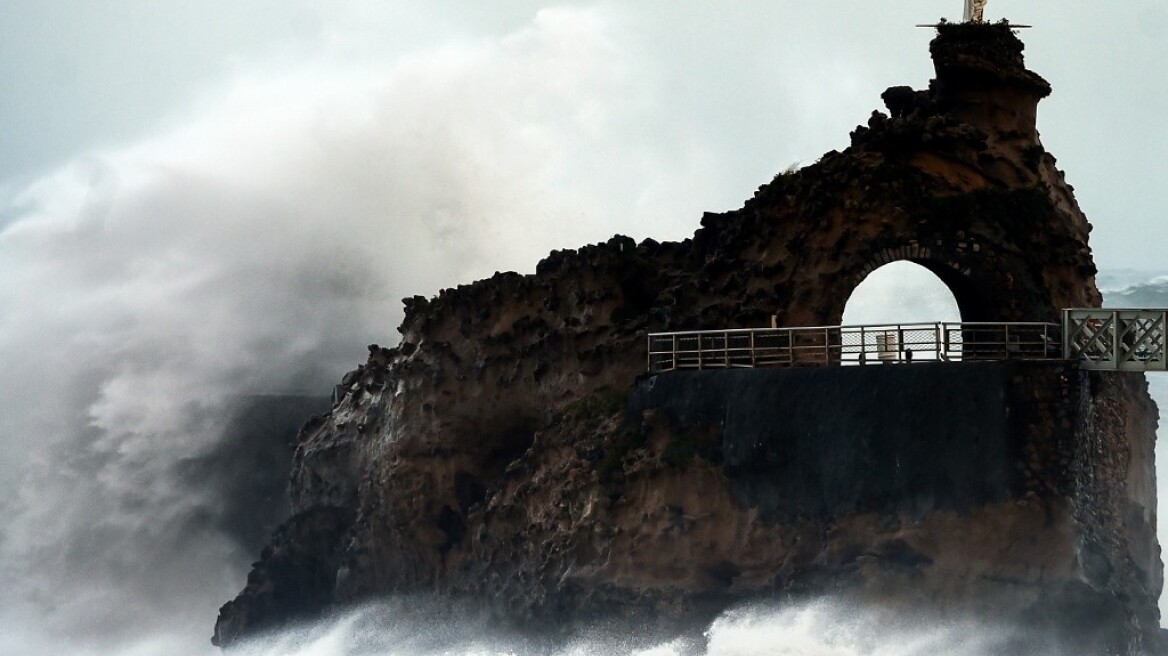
(760, 84)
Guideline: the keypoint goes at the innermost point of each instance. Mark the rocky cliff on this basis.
(510, 451)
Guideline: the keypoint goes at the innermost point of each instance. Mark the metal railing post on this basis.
(1115, 339)
(1162, 346)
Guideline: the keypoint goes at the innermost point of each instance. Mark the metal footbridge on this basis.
(1096, 339)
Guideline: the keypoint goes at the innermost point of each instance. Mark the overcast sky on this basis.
(203, 200)
(716, 97)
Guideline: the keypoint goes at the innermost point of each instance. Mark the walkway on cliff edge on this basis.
(1098, 339)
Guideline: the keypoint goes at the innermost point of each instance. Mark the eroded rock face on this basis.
(495, 454)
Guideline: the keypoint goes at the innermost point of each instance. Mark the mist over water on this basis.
(822, 628)
(149, 292)
(255, 247)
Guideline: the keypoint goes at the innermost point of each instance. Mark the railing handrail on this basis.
(826, 345)
(714, 331)
(1116, 339)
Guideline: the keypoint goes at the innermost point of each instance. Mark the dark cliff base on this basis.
(827, 442)
(945, 490)
(906, 445)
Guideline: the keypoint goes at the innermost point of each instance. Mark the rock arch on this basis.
(962, 188)
(949, 265)
(993, 275)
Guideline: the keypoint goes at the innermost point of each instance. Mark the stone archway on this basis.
(901, 292)
(991, 278)
(953, 267)
(954, 179)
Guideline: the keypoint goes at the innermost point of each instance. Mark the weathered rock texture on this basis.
(496, 453)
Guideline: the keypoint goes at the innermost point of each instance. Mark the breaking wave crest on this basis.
(821, 628)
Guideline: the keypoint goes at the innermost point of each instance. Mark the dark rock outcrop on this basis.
(495, 455)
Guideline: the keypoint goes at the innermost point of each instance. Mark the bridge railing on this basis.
(853, 345)
(1117, 340)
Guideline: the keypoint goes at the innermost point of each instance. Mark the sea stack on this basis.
(511, 452)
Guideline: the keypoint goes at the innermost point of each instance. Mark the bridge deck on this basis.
(1098, 339)
(858, 345)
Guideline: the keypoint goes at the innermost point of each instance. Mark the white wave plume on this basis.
(256, 247)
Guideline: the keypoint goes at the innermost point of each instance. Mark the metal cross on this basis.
(975, 11)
